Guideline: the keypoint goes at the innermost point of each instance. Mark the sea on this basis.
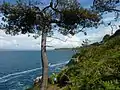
(18, 69)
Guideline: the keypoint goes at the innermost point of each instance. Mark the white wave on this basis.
(5, 80)
(58, 64)
(18, 74)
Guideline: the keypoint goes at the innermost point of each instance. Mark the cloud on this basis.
(23, 42)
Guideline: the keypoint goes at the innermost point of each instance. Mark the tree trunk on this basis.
(44, 61)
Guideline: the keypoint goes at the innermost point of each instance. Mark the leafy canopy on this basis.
(106, 5)
(68, 15)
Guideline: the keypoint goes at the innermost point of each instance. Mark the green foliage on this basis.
(97, 68)
(68, 15)
(112, 85)
(105, 38)
(67, 4)
(22, 18)
(106, 5)
(53, 78)
(28, 18)
(73, 18)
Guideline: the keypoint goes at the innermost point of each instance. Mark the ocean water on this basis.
(18, 69)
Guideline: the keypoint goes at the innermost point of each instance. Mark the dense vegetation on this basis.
(96, 67)
(66, 15)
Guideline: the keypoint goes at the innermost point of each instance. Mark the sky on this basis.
(23, 42)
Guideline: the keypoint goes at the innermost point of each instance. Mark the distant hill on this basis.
(66, 48)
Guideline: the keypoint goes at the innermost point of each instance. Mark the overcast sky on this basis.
(23, 42)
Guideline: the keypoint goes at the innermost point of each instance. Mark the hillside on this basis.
(96, 67)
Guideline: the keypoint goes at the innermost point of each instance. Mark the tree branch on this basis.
(56, 10)
(106, 9)
(113, 9)
(46, 8)
(51, 6)
(56, 4)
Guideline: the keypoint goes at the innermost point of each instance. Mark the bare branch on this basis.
(56, 10)
(113, 9)
(46, 8)
(51, 6)
(56, 4)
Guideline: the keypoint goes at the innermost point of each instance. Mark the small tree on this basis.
(67, 15)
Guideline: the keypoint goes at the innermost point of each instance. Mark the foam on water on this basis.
(59, 64)
(13, 75)
(5, 80)
(18, 74)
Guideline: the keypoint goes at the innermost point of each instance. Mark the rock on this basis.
(37, 80)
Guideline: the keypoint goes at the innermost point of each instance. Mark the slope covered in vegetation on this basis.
(96, 67)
